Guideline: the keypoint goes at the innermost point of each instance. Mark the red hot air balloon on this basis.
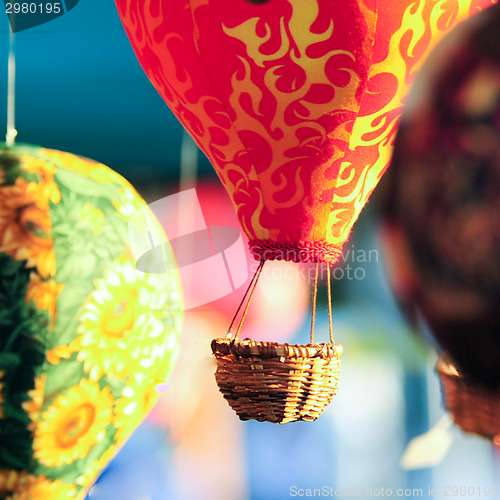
(295, 103)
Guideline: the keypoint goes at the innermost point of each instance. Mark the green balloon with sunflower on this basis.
(84, 335)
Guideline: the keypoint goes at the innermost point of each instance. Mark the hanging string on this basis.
(248, 293)
(189, 162)
(188, 215)
(251, 290)
(329, 302)
(315, 296)
(257, 276)
(11, 134)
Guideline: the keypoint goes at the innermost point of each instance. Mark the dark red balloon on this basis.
(443, 199)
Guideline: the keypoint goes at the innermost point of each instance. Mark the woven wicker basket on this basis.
(272, 382)
(278, 383)
(474, 409)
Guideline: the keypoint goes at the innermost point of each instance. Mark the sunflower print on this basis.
(35, 402)
(94, 469)
(122, 324)
(56, 354)
(127, 203)
(42, 488)
(73, 424)
(25, 226)
(94, 218)
(31, 487)
(10, 479)
(83, 166)
(137, 399)
(43, 292)
(84, 334)
(45, 171)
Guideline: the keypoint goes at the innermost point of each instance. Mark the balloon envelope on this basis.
(84, 335)
(294, 102)
(443, 192)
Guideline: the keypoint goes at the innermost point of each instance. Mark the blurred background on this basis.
(80, 89)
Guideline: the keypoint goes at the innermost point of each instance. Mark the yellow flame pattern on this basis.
(295, 102)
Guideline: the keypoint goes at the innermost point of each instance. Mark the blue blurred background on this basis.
(80, 89)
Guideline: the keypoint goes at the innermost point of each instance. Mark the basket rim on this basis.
(250, 348)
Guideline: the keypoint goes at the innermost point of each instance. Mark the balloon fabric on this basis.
(442, 198)
(83, 334)
(294, 102)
